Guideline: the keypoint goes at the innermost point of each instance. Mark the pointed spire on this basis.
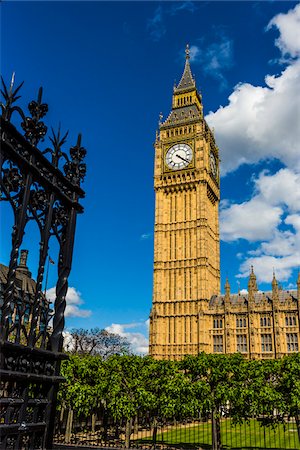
(227, 290)
(187, 51)
(187, 81)
(252, 285)
(227, 286)
(274, 281)
(274, 287)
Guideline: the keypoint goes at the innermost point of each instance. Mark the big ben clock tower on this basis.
(186, 237)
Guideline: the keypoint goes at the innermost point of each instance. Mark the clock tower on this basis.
(186, 234)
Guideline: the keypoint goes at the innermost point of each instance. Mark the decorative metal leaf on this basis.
(10, 96)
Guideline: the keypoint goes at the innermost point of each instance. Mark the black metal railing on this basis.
(100, 431)
(44, 187)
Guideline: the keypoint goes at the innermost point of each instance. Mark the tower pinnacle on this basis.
(187, 51)
(187, 81)
(252, 286)
(227, 290)
(274, 286)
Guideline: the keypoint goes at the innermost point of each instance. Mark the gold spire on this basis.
(187, 81)
(227, 286)
(274, 286)
(274, 281)
(227, 290)
(252, 285)
(187, 51)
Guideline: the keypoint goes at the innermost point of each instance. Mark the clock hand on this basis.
(183, 159)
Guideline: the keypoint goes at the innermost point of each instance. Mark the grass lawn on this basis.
(246, 436)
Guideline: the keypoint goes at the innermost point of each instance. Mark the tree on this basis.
(95, 342)
(81, 391)
(124, 389)
(217, 380)
(170, 394)
(260, 396)
(289, 387)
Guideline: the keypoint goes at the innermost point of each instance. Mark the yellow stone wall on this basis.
(188, 314)
(254, 320)
(186, 237)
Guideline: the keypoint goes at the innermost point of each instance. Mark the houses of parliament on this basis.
(189, 315)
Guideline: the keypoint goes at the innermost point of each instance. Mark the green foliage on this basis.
(124, 391)
(83, 390)
(125, 385)
(288, 384)
(217, 379)
(170, 393)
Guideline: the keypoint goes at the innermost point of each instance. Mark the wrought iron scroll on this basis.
(45, 187)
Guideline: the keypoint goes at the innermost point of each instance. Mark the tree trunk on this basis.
(216, 430)
(61, 422)
(154, 434)
(128, 431)
(136, 424)
(69, 427)
(93, 422)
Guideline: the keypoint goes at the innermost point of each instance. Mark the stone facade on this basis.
(24, 295)
(188, 314)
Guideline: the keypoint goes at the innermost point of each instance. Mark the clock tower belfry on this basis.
(186, 234)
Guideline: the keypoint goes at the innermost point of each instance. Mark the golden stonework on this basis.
(188, 313)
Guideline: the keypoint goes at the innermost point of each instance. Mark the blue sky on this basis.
(108, 70)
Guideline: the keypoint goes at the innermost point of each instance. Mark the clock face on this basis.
(179, 156)
(213, 165)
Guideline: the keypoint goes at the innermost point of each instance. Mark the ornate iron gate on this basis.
(43, 187)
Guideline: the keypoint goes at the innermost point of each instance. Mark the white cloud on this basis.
(139, 342)
(264, 265)
(267, 218)
(289, 27)
(259, 218)
(282, 244)
(262, 122)
(281, 188)
(73, 300)
(253, 220)
(214, 58)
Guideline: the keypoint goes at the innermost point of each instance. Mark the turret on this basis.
(252, 285)
(274, 287)
(185, 93)
(22, 267)
(227, 291)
